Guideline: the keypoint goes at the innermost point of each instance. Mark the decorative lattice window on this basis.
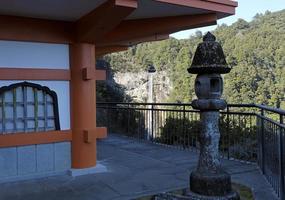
(28, 107)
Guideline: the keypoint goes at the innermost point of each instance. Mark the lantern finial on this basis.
(209, 37)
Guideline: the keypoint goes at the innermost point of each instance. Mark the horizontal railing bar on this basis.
(147, 109)
(271, 120)
(252, 105)
(172, 110)
(271, 109)
(158, 104)
(238, 113)
(249, 105)
(169, 104)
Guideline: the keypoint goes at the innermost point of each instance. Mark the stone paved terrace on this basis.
(134, 169)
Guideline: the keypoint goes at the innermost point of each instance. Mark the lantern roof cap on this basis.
(209, 57)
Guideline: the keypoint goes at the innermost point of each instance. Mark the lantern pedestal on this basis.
(209, 180)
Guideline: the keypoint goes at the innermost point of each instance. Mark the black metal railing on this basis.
(249, 132)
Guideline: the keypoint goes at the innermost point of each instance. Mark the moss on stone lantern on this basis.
(209, 57)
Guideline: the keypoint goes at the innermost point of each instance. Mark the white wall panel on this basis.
(33, 55)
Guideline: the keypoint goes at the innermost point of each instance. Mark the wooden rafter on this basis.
(103, 19)
(131, 30)
(100, 51)
(123, 46)
(152, 38)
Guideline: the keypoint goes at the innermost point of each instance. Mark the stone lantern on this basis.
(209, 180)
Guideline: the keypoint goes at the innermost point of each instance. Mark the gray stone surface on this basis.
(26, 160)
(34, 161)
(45, 154)
(135, 169)
(209, 160)
(62, 152)
(8, 162)
(99, 168)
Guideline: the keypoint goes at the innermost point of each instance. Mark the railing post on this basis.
(183, 127)
(108, 119)
(281, 160)
(262, 143)
(228, 131)
(128, 126)
(152, 121)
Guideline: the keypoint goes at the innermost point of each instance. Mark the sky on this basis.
(246, 10)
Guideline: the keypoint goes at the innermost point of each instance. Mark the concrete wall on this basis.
(18, 163)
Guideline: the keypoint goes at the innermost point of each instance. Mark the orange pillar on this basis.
(83, 105)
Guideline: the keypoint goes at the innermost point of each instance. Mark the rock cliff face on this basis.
(136, 85)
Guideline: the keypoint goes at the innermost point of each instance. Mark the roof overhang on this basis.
(106, 22)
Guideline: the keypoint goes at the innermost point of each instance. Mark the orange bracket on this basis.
(91, 135)
(90, 73)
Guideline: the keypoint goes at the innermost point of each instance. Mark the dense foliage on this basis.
(238, 139)
(255, 50)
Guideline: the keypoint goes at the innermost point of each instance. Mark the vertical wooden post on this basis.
(83, 105)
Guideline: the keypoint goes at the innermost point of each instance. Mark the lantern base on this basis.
(194, 196)
(209, 184)
(230, 196)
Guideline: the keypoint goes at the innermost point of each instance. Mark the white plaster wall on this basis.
(63, 93)
(33, 55)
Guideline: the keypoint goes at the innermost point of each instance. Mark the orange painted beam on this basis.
(34, 74)
(124, 45)
(90, 73)
(130, 30)
(100, 75)
(100, 51)
(91, 135)
(224, 6)
(22, 139)
(101, 132)
(36, 30)
(103, 19)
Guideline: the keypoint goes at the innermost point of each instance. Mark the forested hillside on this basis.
(255, 50)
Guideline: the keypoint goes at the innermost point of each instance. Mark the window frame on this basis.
(45, 90)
